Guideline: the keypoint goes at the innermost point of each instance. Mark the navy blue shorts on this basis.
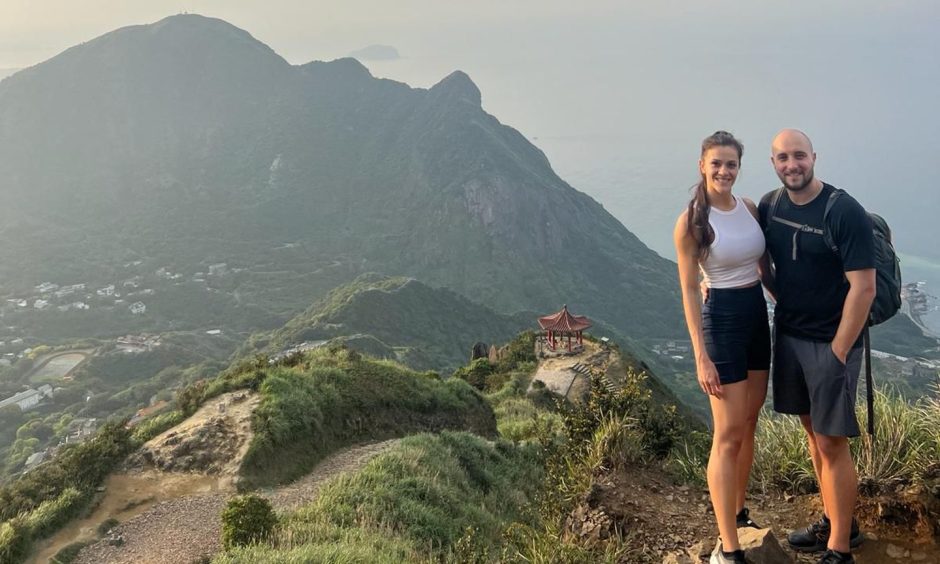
(737, 331)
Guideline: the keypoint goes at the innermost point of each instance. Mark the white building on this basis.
(106, 291)
(218, 269)
(138, 308)
(25, 400)
(40, 304)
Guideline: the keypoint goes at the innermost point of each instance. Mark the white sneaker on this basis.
(719, 558)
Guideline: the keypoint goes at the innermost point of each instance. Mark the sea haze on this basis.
(620, 107)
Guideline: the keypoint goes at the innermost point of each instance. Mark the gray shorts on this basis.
(809, 379)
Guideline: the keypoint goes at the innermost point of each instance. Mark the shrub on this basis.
(191, 397)
(156, 425)
(14, 541)
(247, 520)
(476, 373)
(107, 525)
(517, 352)
(68, 554)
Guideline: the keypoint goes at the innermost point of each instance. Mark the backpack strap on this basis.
(772, 209)
(869, 384)
(827, 235)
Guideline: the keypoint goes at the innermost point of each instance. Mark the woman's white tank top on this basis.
(738, 246)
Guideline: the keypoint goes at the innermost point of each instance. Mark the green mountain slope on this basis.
(399, 318)
(188, 142)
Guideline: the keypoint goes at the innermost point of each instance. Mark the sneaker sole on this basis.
(854, 542)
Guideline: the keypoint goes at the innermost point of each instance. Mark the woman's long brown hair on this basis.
(697, 217)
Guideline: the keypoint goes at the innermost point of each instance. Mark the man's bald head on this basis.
(793, 158)
(790, 136)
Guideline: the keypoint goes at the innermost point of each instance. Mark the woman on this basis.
(718, 235)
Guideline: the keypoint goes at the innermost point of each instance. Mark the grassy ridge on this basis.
(457, 497)
(334, 398)
(415, 502)
(424, 327)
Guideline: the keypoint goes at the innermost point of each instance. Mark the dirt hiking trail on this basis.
(169, 497)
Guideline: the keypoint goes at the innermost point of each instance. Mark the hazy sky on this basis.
(620, 93)
(302, 30)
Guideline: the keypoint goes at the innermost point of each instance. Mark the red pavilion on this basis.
(563, 324)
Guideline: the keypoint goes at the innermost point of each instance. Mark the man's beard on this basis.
(809, 180)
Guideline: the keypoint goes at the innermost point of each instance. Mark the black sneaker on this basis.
(815, 537)
(744, 520)
(833, 557)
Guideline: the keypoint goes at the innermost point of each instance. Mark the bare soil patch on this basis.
(188, 528)
(662, 517)
(559, 374)
(199, 457)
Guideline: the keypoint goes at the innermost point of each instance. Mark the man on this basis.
(823, 299)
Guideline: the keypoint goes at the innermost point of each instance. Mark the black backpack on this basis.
(887, 300)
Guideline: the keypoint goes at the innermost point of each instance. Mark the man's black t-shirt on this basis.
(810, 280)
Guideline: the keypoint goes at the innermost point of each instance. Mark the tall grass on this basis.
(518, 417)
(411, 503)
(905, 449)
(611, 430)
(336, 398)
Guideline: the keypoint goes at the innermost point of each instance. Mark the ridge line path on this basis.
(185, 529)
(169, 499)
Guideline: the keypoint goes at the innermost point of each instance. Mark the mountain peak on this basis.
(344, 69)
(457, 86)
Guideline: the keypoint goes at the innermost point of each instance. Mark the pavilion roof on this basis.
(563, 321)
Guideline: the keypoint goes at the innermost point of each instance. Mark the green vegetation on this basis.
(335, 397)
(157, 424)
(337, 173)
(247, 520)
(111, 384)
(458, 498)
(416, 501)
(906, 448)
(611, 430)
(68, 554)
(43, 500)
(107, 525)
(396, 318)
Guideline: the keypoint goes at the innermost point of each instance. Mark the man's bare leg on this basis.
(840, 488)
(814, 455)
